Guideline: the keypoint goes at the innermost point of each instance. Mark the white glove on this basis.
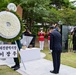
(51, 51)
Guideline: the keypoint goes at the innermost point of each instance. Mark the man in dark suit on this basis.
(55, 46)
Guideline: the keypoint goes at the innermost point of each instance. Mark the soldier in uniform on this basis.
(41, 35)
(16, 60)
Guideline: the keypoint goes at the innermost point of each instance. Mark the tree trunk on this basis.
(31, 23)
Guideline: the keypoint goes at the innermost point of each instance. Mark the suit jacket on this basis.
(55, 41)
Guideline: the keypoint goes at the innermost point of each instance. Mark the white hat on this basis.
(41, 28)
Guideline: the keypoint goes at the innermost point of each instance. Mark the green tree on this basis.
(4, 3)
(60, 3)
(68, 16)
(54, 15)
(34, 10)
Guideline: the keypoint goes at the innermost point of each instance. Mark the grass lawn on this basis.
(5, 70)
(67, 58)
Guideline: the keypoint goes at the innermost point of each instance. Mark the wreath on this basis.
(11, 26)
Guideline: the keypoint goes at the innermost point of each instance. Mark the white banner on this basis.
(8, 51)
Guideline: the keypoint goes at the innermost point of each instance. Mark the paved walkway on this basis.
(41, 67)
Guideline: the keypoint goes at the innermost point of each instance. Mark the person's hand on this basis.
(51, 51)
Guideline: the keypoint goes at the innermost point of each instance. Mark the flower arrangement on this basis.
(10, 26)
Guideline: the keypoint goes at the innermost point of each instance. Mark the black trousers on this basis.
(74, 47)
(16, 60)
(56, 61)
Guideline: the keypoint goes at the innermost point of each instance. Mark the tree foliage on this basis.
(60, 3)
(68, 16)
(35, 11)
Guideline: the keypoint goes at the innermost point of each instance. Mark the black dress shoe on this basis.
(16, 68)
(13, 66)
(54, 72)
